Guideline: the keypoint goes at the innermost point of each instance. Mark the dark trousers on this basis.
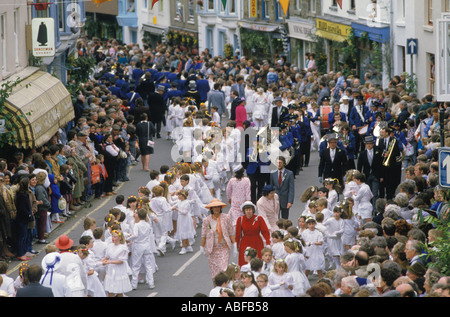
(41, 224)
(305, 149)
(257, 181)
(284, 213)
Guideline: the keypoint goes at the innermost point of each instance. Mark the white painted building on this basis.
(416, 20)
(218, 25)
(153, 23)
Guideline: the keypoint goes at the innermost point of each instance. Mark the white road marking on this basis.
(185, 265)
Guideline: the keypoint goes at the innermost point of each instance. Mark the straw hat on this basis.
(215, 203)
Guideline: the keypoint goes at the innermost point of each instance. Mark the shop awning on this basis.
(40, 105)
(332, 30)
(154, 29)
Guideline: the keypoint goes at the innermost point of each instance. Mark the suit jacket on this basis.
(34, 290)
(376, 169)
(275, 118)
(157, 106)
(286, 191)
(333, 169)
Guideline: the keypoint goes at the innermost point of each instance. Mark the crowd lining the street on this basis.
(360, 214)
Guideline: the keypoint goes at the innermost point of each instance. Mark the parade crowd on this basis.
(227, 117)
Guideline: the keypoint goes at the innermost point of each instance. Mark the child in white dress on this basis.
(296, 264)
(351, 225)
(281, 283)
(277, 245)
(94, 285)
(163, 210)
(363, 198)
(315, 259)
(335, 228)
(117, 281)
(334, 189)
(185, 225)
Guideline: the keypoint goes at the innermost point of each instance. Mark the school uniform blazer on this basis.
(286, 191)
(332, 169)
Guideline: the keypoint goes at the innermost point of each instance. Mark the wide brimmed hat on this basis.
(215, 203)
(62, 203)
(51, 261)
(64, 242)
(248, 203)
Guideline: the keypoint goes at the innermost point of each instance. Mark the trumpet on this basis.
(389, 151)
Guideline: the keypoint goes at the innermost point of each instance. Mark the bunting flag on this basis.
(340, 3)
(99, 2)
(153, 2)
(224, 2)
(284, 6)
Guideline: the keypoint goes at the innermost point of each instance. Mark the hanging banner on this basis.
(153, 2)
(284, 6)
(224, 3)
(43, 37)
(253, 9)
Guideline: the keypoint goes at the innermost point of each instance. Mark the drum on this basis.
(363, 130)
(324, 112)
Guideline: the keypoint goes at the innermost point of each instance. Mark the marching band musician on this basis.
(305, 146)
(389, 145)
(356, 120)
(348, 140)
(332, 115)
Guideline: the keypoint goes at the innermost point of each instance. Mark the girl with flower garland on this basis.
(117, 281)
(281, 283)
(296, 264)
(185, 225)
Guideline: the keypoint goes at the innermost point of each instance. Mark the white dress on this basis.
(117, 280)
(185, 223)
(281, 290)
(364, 197)
(94, 286)
(259, 115)
(349, 235)
(332, 199)
(278, 250)
(335, 230)
(315, 259)
(349, 187)
(251, 291)
(296, 266)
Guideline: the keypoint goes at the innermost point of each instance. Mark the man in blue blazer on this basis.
(257, 171)
(283, 182)
(34, 287)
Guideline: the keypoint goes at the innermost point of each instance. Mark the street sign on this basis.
(412, 46)
(444, 167)
(43, 37)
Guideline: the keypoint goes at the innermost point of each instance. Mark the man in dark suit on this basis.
(370, 163)
(34, 287)
(333, 161)
(283, 182)
(389, 144)
(157, 108)
(278, 111)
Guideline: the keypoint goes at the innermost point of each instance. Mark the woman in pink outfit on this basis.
(238, 192)
(241, 114)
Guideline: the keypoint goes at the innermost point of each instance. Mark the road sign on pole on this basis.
(444, 167)
(412, 46)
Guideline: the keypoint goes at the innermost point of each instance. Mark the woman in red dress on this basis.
(249, 229)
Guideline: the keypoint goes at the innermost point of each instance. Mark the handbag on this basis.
(409, 149)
